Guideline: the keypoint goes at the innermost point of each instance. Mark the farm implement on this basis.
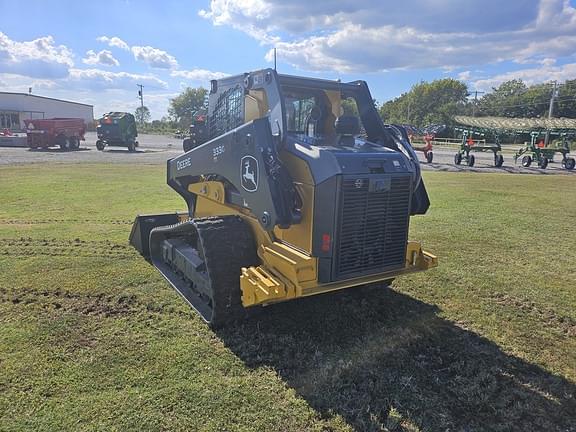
(469, 145)
(426, 148)
(117, 129)
(65, 133)
(537, 151)
(422, 139)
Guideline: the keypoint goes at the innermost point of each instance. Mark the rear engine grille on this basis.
(374, 222)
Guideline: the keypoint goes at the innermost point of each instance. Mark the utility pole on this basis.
(475, 102)
(141, 94)
(408, 114)
(551, 109)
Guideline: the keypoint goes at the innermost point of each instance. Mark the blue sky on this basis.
(96, 52)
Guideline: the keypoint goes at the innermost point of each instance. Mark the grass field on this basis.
(92, 338)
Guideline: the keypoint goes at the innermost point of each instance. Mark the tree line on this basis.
(426, 103)
(437, 102)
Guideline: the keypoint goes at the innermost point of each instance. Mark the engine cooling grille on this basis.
(374, 221)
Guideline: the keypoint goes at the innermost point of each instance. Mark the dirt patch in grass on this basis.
(25, 222)
(57, 247)
(101, 304)
(66, 302)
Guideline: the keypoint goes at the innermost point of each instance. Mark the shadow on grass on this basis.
(385, 361)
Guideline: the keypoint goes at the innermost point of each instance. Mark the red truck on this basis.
(63, 132)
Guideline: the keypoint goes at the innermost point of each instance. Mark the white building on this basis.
(16, 107)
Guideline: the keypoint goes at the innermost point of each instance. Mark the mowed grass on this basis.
(92, 338)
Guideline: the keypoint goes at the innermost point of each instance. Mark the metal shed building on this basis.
(16, 107)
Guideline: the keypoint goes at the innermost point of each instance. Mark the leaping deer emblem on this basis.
(249, 174)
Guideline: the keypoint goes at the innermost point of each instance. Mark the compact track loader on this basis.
(294, 187)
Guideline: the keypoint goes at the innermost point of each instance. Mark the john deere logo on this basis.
(249, 173)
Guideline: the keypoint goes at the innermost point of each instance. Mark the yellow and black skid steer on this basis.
(294, 187)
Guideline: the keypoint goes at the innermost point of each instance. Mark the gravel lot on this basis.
(444, 161)
(156, 149)
(152, 149)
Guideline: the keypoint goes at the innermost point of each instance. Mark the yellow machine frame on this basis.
(287, 270)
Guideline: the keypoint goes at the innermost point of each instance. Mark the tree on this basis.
(566, 100)
(428, 103)
(183, 107)
(142, 114)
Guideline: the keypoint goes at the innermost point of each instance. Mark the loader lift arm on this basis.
(246, 160)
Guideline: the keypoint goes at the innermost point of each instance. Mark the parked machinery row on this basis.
(534, 152)
(540, 150)
(114, 129)
(119, 129)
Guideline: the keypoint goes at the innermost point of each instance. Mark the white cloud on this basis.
(20, 83)
(154, 57)
(97, 79)
(547, 61)
(113, 41)
(198, 74)
(39, 58)
(301, 16)
(464, 75)
(103, 57)
(530, 76)
(364, 36)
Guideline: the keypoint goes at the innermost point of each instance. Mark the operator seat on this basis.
(347, 128)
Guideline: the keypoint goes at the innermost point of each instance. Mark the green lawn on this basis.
(92, 338)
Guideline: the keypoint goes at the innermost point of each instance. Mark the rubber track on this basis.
(228, 246)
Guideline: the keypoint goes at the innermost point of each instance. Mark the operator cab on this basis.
(325, 118)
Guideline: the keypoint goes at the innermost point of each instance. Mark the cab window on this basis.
(298, 110)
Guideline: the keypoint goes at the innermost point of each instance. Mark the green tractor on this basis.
(117, 129)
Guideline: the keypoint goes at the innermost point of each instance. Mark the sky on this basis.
(97, 52)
